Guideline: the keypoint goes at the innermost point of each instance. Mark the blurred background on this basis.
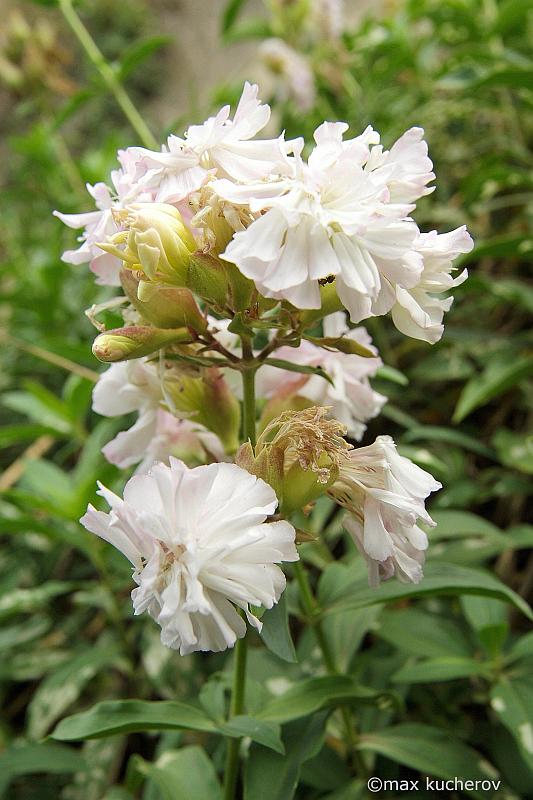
(463, 70)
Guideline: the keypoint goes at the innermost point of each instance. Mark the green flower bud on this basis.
(157, 242)
(136, 341)
(164, 306)
(208, 400)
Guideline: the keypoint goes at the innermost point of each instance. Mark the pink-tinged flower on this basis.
(222, 144)
(297, 79)
(157, 434)
(200, 547)
(406, 168)
(100, 225)
(351, 398)
(333, 216)
(419, 311)
(384, 494)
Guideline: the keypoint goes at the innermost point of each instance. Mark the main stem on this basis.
(239, 674)
(108, 75)
(312, 609)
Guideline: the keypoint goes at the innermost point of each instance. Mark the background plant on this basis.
(447, 673)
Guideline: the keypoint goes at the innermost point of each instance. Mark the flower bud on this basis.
(157, 242)
(164, 306)
(136, 341)
(208, 279)
(209, 401)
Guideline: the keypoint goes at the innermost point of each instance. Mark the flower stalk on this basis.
(312, 612)
(107, 74)
(241, 647)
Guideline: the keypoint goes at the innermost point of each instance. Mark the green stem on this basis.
(237, 706)
(312, 611)
(248, 392)
(231, 773)
(107, 74)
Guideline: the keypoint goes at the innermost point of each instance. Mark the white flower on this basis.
(200, 546)
(294, 70)
(384, 493)
(100, 225)
(419, 311)
(218, 144)
(351, 398)
(157, 434)
(333, 216)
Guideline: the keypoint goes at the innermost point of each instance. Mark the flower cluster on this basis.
(244, 267)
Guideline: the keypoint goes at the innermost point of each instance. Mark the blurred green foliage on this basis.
(446, 667)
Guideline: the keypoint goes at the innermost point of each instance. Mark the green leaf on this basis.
(264, 733)
(53, 415)
(16, 434)
(439, 669)
(513, 703)
(489, 619)
(25, 601)
(393, 375)
(344, 632)
(303, 368)
(47, 481)
(30, 759)
(429, 750)
(316, 694)
(499, 376)
(183, 774)
(515, 450)
(344, 344)
(422, 634)
(139, 52)
(432, 433)
(512, 78)
(127, 716)
(15, 635)
(523, 648)
(269, 776)
(276, 633)
(440, 579)
(459, 524)
(62, 687)
(231, 12)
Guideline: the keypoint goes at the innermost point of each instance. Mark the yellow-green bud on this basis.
(164, 306)
(136, 341)
(157, 242)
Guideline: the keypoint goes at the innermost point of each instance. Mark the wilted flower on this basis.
(334, 217)
(200, 546)
(299, 454)
(218, 144)
(384, 494)
(351, 398)
(101, 224)
(418, 312)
